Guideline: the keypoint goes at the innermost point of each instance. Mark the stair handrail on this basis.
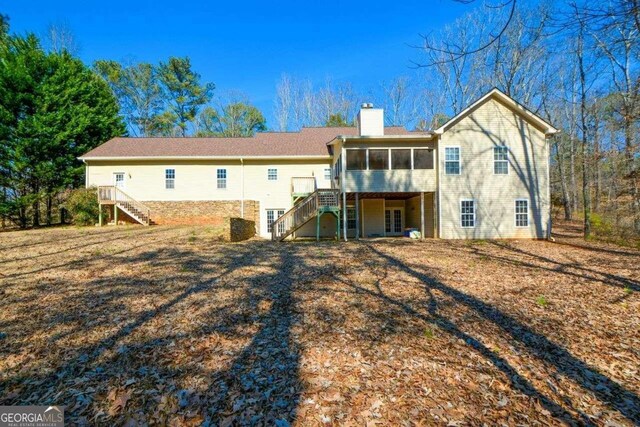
(116, 195)
(299, 214)
(122, 197)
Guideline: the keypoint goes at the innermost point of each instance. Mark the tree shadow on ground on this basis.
(605, 389)
(260, 384)
(574, 269)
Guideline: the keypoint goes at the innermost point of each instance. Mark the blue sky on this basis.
(247, 45)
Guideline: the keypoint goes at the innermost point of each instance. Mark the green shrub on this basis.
(83, 206)
(601, 226)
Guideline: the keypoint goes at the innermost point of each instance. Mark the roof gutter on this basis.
(84, 159)
(345, 138)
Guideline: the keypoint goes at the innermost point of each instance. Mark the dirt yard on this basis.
(164, 325)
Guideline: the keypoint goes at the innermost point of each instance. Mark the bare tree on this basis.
(59, 37)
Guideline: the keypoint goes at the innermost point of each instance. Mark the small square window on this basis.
(170, 179)
(272, 174)
(327, 174)
(221, 177)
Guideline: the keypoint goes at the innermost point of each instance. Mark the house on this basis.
(483, 174)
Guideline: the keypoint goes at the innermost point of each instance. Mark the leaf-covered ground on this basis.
(165, 325)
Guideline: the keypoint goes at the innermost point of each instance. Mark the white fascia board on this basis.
(84, 159)
(550, 130)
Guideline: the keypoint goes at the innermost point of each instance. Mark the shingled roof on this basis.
(311, 141)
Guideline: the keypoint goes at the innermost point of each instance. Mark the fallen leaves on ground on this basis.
(135, 326)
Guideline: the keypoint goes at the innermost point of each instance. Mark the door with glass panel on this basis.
(393, 221)
(118, 180)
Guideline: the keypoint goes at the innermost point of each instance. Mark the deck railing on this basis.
(109, 194)
(303, 185)
(302, 212)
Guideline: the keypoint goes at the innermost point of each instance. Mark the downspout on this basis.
(343, 167)
(439, 186)
(241, 188)
(86, 173)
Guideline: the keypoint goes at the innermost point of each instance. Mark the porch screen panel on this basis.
(378, 159)
(356, 160)
(400, 159)
(423, 159)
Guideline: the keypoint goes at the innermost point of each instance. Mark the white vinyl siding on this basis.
(169, 179)
(489, 126)
(522, 212)
(467, 213)
(452, 160)
(500, 160)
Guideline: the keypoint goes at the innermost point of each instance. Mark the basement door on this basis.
(393, 221)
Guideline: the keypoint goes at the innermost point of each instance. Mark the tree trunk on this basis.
(586, 196)
(596, 166)
(49, 208)
(572, 167)
(36, 214)
(566, 200)
(630, 169)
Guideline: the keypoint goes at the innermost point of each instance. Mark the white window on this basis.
(272, 174)
(327, 174)
(271, 218)
(351, 218)
(169, 179)
(522, 213)
(467, 213)
(221, 177)
(500, 160)
(452, 160)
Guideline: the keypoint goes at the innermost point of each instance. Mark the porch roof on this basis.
(383, 195)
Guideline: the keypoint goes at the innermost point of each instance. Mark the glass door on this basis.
(393, 221)
(118, 180)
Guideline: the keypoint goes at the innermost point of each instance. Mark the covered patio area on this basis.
(389, 214)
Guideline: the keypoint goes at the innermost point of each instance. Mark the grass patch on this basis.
(429, 333)
(542, 301)
(628, 290)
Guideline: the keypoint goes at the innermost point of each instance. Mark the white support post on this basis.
(344, 215)
(357, 216)
(422, 229)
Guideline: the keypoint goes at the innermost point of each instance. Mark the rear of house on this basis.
(484, 174)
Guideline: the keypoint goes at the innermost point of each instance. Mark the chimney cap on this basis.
(366, 105)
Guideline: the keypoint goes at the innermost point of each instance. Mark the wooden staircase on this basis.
(112, 195)
(312, 206)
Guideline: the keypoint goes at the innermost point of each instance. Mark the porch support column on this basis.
(422, 229)
(357, 216)
(100, 214)
(344, 215)
(115, 214)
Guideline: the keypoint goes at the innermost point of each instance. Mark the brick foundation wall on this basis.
(210, 212)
